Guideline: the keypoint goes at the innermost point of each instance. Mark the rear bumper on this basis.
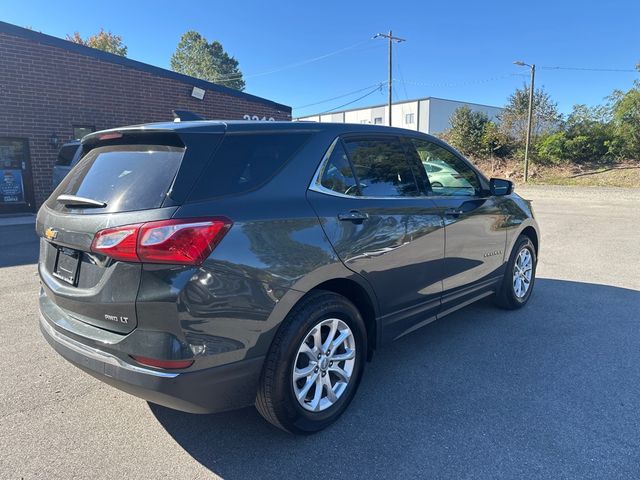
(210, 390)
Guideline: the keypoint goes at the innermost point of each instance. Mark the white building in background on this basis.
(428, 115)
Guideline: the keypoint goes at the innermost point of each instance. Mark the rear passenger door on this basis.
(371, 201)
(474, 224)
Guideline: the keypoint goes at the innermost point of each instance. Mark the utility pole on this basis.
(389, 36)
(527, 145)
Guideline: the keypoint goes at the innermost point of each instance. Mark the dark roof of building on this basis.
(45, 39)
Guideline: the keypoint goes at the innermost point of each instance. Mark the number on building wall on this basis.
(256, 118)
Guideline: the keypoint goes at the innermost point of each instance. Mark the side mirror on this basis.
(500, 187)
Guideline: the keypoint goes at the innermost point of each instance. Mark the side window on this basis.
(244, 162)
(381, 167)
(448, 175)
(337, 174)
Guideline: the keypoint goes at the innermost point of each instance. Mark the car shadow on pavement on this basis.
(18, 245)
(551, 390)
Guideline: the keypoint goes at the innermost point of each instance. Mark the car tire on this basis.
(294, 351)
(515, 291)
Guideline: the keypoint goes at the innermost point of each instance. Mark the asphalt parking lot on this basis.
(549, 391)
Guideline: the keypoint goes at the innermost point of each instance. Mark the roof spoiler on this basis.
(185, 116)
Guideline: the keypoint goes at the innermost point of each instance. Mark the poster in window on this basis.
(11, 186)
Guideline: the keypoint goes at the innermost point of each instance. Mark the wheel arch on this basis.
(361, 298)
(530, 232)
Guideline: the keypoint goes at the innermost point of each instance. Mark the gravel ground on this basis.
(549, 391)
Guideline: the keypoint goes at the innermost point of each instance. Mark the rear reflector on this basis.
(166, 364)
(179, 241)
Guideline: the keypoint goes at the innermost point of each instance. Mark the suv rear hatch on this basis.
(124, 179)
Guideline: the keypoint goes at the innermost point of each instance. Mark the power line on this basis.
(376, 89)
(404, 85)
(623, 70)
(401, 80)
(337, 97)
(454, 84)
(230, 77)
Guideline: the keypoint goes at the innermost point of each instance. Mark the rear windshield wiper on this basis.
(74, 201)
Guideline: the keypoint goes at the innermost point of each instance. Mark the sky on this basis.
(306, 53)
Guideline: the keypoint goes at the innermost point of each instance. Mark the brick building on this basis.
(53, 91)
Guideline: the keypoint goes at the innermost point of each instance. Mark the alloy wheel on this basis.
(324, 365)
(522, 272)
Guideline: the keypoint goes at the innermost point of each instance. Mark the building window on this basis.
(409, 118)
(81, 131)
(377, 120)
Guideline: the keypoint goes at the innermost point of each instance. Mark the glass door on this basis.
(16, 186)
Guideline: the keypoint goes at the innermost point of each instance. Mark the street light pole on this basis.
(391, 39)
(530, 119)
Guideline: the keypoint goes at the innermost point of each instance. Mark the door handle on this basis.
(453, 212)
(353, 216)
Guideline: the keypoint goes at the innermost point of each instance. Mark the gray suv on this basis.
(207, 266)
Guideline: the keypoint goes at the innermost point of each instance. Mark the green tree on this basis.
(585, 137)
(196, 57)
(475, 135)
(105, 41)
(626, 124)
(514, 117)
(553, 148)
(494, 141)
(467, 129)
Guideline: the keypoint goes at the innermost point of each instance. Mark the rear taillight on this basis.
(119, 243)
(179, 241)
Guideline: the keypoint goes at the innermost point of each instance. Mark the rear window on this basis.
(125, 177)
(66, 154)
(244, 162)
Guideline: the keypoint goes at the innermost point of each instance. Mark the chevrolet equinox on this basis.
(207, 266)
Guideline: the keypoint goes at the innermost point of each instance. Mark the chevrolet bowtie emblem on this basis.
(50, 233)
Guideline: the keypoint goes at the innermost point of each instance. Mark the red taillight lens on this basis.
(119, 243)
(179, 241)
(166, 364)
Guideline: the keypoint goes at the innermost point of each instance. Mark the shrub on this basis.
(552, 148)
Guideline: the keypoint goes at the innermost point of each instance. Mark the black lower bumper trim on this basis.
(211, 390)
